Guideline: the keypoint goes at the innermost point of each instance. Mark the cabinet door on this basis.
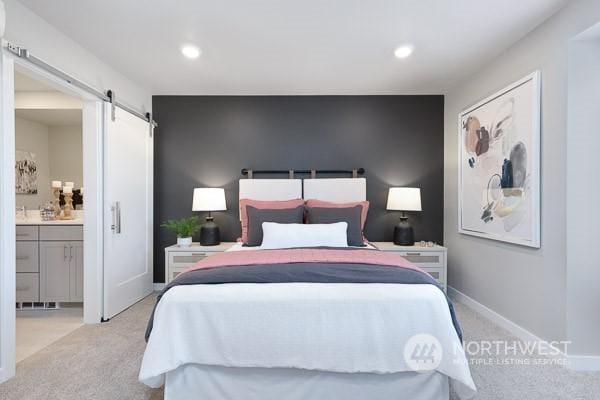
(76, 272)
(54, 271)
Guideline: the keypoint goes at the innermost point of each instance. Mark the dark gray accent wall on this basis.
(205, 141)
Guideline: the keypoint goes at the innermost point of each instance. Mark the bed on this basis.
(318, 323)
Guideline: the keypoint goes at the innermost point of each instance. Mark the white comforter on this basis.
(316, 326)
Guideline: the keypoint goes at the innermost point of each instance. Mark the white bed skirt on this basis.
(194, 381)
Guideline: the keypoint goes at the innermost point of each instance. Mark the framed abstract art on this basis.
(499, 165)
(26, 173)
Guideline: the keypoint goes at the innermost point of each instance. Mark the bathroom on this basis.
(49, 194)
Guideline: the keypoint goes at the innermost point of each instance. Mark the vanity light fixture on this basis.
(190, 51)
(403, 51)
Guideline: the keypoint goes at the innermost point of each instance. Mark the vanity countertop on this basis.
(36, 221)
(33, 218)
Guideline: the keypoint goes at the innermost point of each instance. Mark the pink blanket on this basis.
(289, 256)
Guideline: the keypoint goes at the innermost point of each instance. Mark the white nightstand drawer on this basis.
(173, 272)
(430, 259)
(178, 259)
(185, 259)
(424, 259)
(437, 273)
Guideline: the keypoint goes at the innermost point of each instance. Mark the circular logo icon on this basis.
(423, 352)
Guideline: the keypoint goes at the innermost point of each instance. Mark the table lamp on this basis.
(209, 199)
(404, 199)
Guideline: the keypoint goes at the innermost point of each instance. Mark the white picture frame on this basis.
(508, 139)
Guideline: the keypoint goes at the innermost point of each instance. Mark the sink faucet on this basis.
(23, 211)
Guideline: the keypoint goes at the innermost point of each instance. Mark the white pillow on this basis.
(283, 236)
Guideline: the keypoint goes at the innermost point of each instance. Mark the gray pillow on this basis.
(350, 215)
(256, 217)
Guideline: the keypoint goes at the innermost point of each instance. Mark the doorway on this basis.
(108, 126)
(49, 214)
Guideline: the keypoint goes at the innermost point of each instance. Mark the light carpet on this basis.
(102, 362)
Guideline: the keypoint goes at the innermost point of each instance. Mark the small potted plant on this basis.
(184, 228)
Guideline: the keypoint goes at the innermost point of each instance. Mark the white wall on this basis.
(583, 192)
(33, 137)
(65, 154)
(59, 153)
(525, 285)
(26, 29)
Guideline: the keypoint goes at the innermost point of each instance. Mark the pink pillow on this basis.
(263, 204)
(329, 204)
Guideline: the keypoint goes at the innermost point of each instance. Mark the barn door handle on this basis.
(116, 217)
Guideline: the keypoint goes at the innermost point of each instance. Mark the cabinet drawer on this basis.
(173, 272)
(61, 232)
(27, 257)
(28, 287)
(26, 232)
(424, 259)
(437, 273)
(185, 259)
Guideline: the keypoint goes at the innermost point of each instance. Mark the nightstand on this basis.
(431, 259)
(177, 258)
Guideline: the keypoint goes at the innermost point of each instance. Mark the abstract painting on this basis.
(26, 173)
(499, 165)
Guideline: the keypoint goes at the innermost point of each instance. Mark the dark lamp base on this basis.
(209, 233)
(404, 234)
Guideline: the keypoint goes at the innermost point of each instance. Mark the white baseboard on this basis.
(575, 363)
(503, 322)
(4, 376)
(158, 287)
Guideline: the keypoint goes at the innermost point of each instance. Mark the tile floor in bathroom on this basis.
(37, 329)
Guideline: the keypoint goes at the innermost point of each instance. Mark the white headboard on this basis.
(270, 189)
(341, 190)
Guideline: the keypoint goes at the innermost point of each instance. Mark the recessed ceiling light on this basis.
(404, 51)
(190, 51)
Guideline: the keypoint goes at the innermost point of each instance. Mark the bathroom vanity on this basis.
(49, 261)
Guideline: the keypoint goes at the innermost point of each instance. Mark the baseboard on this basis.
(503, 322)
(584, 363)
(158, 287)
(5, 375)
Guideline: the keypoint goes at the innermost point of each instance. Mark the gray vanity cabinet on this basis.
(50, 264)
(61, 271)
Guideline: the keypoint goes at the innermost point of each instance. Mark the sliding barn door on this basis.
(128, 177)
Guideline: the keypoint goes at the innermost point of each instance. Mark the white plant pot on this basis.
(184, 242)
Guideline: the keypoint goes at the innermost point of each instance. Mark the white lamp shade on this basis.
(404, 199)
(209, 199)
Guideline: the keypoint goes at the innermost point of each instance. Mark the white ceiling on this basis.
(296, 46)
(64, 117)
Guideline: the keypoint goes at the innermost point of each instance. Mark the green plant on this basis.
(185, 227)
